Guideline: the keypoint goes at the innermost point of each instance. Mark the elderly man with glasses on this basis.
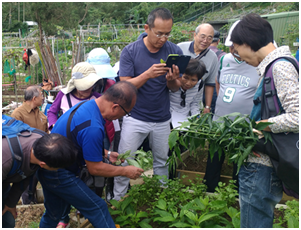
(140, 65)
(199, 49)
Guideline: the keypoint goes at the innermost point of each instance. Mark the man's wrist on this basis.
(207, 107)
(108, 155)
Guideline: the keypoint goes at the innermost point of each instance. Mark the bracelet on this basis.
(108, 156)
(208, 107)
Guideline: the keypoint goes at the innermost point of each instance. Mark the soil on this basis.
(29, 216)
(199, 163)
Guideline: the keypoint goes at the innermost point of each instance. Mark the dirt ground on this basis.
(199, 163)
(29, 216)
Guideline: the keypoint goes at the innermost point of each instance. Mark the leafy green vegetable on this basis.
(139, 159)
(233, 137)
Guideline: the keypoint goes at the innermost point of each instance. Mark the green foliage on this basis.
(234, 137)
(291, 215)
(173, 205)
(33, 225)
(140, 159)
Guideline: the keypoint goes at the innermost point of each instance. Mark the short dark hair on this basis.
(195, 67)
(216, 36)
(253, 31)
(122, 92)
(31, 91)
(162, 13)
(55, 150)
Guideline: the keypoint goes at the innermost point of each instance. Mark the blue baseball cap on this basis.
(100, 60)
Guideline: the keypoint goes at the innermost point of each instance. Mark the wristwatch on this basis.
(108, 156)
(208, 107)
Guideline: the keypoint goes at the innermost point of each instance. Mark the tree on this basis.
(48, 15)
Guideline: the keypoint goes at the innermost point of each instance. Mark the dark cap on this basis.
(216, 36)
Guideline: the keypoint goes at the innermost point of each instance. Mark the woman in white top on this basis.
(187, 100)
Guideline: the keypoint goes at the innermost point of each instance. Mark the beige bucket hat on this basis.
(84, 76)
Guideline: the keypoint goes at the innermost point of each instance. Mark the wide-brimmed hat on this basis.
(83, 77)
(228, 42)
(100, 60)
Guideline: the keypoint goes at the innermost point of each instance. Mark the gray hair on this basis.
(197, 30)
(32, 91)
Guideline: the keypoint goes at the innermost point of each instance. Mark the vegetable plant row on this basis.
(151, 205)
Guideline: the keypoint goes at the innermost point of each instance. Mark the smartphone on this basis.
(180, 60)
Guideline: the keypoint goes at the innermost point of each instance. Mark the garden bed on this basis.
(194, 167)
(174, 205)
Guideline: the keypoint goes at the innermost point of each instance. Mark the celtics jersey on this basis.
(238, 83)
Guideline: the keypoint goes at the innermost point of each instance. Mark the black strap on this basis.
(201, 85)
(69, 100)
(202, 54)
(69, 136)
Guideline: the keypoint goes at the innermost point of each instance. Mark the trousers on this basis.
(62, 189)
(132, 135)
(260, 190)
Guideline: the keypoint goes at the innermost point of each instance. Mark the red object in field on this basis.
(55, 83)
(25, 57)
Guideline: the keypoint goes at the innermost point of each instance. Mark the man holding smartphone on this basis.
(140, 65)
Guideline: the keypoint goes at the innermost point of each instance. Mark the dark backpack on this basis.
(11, 130)
(284, 150)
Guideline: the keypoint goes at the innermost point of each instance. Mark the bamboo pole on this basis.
(41, 58)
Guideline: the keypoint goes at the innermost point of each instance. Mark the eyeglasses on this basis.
(183, 96)
(126, 112)
(208, 39)
(235, 53)
(168, 35)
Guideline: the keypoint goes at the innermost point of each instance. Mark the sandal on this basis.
(64, 225)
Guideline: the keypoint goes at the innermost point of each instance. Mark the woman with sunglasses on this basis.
(186, 101)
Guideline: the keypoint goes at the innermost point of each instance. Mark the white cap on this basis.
(228, 42)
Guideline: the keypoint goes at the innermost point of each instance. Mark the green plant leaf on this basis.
(164, 219)
(161, 204)
(236, 221)
(205, 217)
(180, 225)
(120, 219)
(292, 222)
(262, 125)
(142, 214)
(172, 139)
(218, 204)
(133, 162)
(231, 211)
(115, 203)
(143, 224)
(126, 202)
(162, 213)
(192, 216)
(115, 212)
